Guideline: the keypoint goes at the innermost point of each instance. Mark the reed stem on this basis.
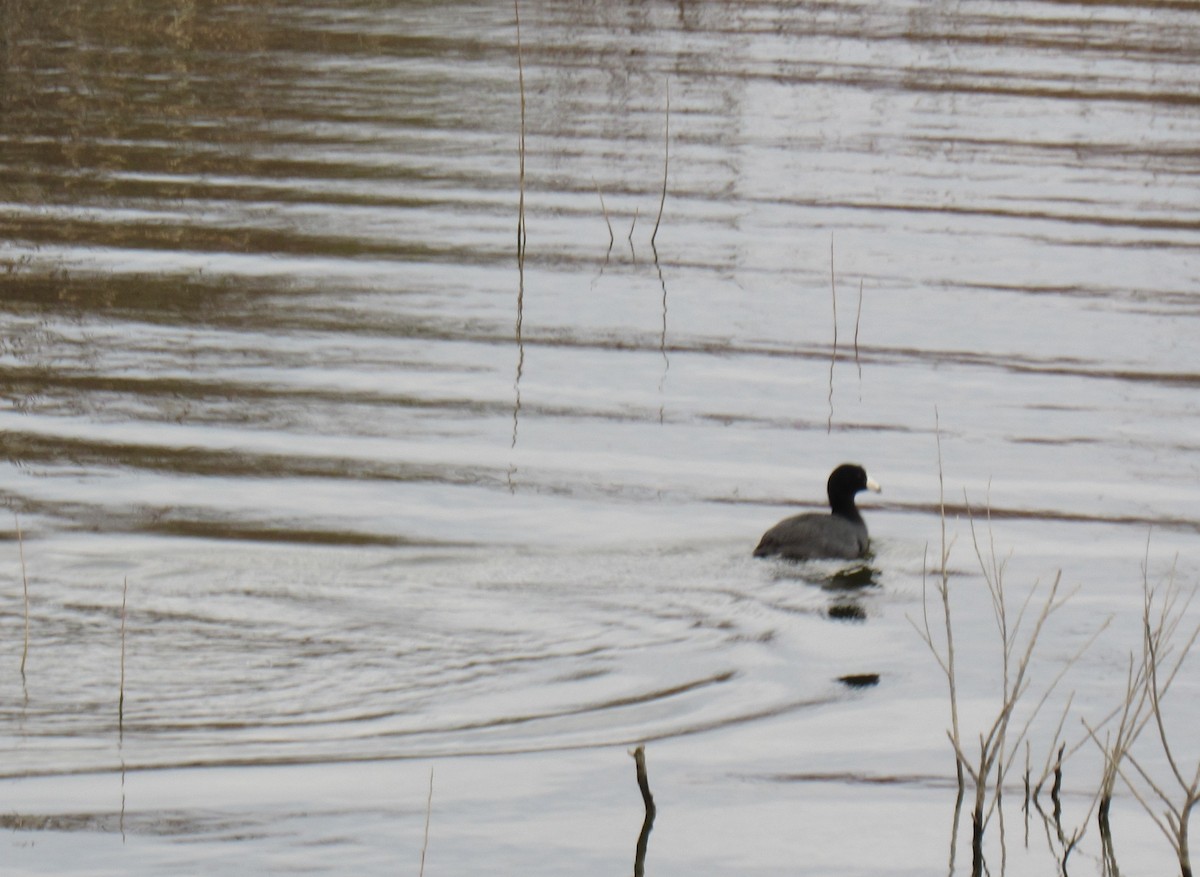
(25, 590)
(521, 237)
(121, 691)
(428, 811)
(666, 165)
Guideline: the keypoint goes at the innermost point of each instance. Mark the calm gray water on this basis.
(388, 500)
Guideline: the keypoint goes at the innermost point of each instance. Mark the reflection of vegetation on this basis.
(847, 610)
(851, 578)
(859, 680)
(53, 360)
(83, 81)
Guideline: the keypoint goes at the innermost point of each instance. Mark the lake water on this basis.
(415, 539)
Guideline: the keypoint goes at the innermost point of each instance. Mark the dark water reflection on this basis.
(384, 495)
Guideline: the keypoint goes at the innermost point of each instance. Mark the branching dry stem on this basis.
(999, 744)
(1147, 681)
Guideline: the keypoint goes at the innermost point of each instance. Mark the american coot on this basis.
(841, 533)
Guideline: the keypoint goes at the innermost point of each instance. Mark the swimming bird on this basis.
(841, 533)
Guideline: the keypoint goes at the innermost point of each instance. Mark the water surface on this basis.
(388, 499)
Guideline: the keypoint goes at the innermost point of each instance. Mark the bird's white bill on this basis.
(872, 484)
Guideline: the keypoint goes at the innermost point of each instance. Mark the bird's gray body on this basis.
(814, 535)
(841, 534)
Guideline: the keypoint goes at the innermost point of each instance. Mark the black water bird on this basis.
(840, 534)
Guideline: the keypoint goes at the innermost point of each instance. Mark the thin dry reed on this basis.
(833, 297)
(604, 210)
(121, 690)
(857, 323)
(945, 660)
(428, 811)
(666, 165)
(833, 353)
(521, 146)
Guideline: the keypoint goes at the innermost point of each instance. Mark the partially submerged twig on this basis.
(639, 857)
(643, 781)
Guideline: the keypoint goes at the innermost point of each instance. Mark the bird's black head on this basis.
(845, 481)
